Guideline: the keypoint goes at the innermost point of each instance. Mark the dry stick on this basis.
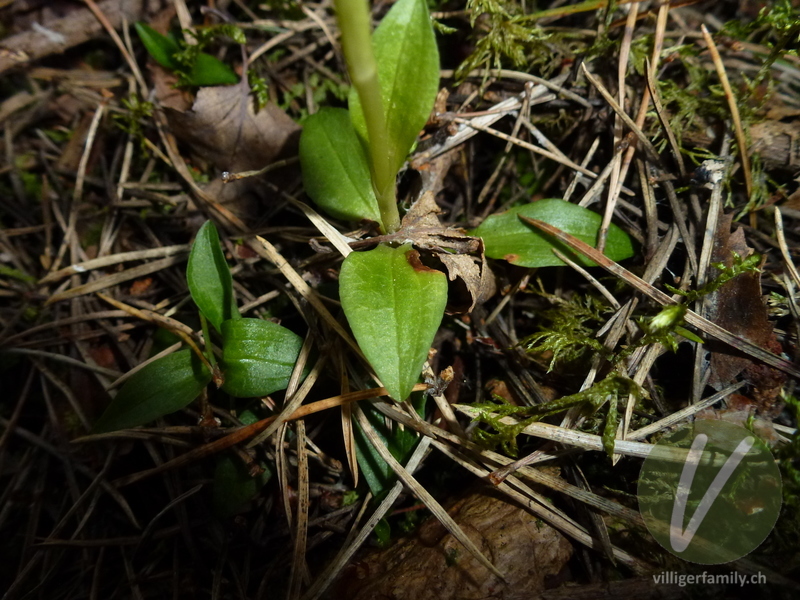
(268, 251)
(658, 43)
(709, 236)
(299, 571)
(545, 512)
(182, 331)
(106, 261)
(577, 176)
(69, 234)
(741, 140)
(423, 494)
(540, 506)
(526, 145)
(662, 117)
(624, 53)
(487, 187)
(112, 32)
(507, 74)
(245, 433)
(294, 392)
(784, 247)
(692, 318)
(650, 210)
(116, 278)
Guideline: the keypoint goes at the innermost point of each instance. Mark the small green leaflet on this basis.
(162, 387)
(206, 69)
(209, 278)
(394, 305)
(506, 236)
(257, 357)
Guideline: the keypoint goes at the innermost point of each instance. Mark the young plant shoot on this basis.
(257, 356)
(350, 160)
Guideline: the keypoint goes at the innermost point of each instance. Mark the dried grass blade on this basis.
(346, 553)
(691, 317)
(116, 278)
(423, 494)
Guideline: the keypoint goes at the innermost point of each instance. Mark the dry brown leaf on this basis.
(432, 565)
(737, 306)
(223, 127)
(462, 255)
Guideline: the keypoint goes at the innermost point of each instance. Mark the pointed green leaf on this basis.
(408, 70)
(234, 487)
(257, 357)
(394, 305)
(162, 387)
(400, 441)
(506, 236)
(208, 70)
(335, 168)
(209, 278)
(160, 47)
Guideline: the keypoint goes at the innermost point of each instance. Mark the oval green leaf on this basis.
(394, 305)
(257, 357)
(506, 236)
(162, 387)
(209, 278)
(158, 46)
(335, 168)
(408, 71)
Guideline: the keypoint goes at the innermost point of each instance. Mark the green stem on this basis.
(354, 21)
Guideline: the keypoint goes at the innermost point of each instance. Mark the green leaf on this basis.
(233, 485)
(394, 305)
(209, 278)
(506, 236)
(160, 47)
(335, 167)
(162, 387)
(400, 442)
(257, 357)
(208, 70)
(408, 70)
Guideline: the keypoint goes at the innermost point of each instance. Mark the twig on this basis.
(692, 318)
(741, 140)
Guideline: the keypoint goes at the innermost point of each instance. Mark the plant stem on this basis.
(354, 21)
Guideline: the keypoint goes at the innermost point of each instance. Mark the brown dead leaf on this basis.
(737, 306)
(432, 565)
(462, 255)
(223, 128)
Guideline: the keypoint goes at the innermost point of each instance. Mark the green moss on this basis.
(570, 336)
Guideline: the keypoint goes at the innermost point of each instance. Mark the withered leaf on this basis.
(737, 306)
(461, 254)
(224, 128)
